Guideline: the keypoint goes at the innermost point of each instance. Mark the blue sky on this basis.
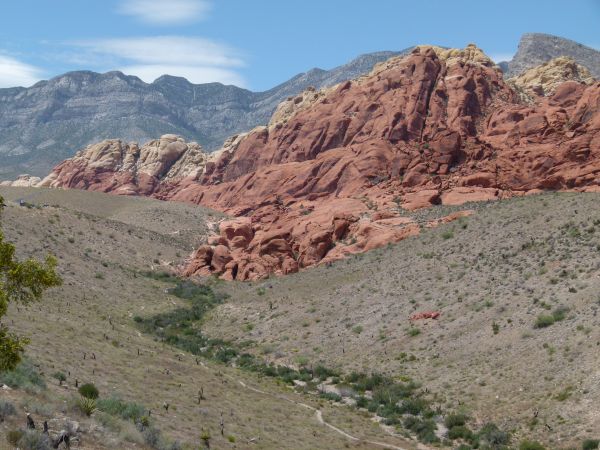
(258, 44)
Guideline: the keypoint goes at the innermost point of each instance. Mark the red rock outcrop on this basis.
(128, 169)
(329, 174)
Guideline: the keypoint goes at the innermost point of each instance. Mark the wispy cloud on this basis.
(199, 60)
(16, 73)
(166, 12)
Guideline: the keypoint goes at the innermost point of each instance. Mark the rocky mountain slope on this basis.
(546, 78)
(330, 177)
(538, 48)
(44, 124)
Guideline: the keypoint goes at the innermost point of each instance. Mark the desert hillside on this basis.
(113, 253)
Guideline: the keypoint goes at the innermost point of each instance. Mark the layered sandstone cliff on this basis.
(543, 80)
(333, 169)
(126, 168)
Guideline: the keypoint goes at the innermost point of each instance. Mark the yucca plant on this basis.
(87, 405)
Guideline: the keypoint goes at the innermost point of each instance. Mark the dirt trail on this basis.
(319, 417)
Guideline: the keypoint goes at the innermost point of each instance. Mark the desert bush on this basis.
(455, 420)
(14, 436)
(544, 321)
(531, 445)
(414, 406)
(160, 276)
(493, 436)
(117, 407)
(460, 432)
(414, 332)
(24, 376)
(109, 422)
(560, 313)
(152, 437)
(34, 440)
(331, 396)
(424, 429)
(590, 444)
(362, 402)
(6, 409)
(447, 235)
(89, 391)
(61, 377)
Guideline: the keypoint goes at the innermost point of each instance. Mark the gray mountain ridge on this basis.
(537, 48)
(48, 122)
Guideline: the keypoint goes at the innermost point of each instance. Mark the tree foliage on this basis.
(20, 282)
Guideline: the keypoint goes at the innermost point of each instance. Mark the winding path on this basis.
(318, 415)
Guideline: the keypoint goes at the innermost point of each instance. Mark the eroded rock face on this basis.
(330, 173)
(128, 169)
(23, 181)
(545, 79)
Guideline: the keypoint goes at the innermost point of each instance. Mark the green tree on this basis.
(21, 282)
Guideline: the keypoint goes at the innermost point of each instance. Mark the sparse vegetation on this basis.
(24, 376)
(23, 283)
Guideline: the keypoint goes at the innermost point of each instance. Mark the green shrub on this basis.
(414, 406)
(447, 235)
(544, 321)
(531, 445)
(460, 432)
(61, 377)
(495, 328)
(357, 329)
(152, 437)
(491, 435)
(88, 390)
(14, 436)
(590, 444)
(560, 313)
(414, 332)
(331, 396)
(117, 407)
(34, 440)
(423, 428)
(455, 420)
(362, 402)
(24, 376)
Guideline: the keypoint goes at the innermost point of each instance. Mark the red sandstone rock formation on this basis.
(327, 176)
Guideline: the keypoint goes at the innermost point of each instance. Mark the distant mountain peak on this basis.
(537, 48)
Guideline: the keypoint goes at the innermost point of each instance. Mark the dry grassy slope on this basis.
(98, 253)
(501, 265)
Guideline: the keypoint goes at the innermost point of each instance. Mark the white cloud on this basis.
(166, 12)
(197, 59)
(166, 50)
(15, 73)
